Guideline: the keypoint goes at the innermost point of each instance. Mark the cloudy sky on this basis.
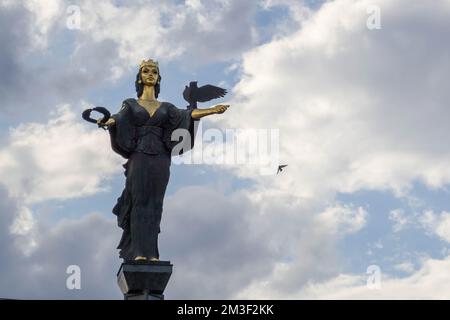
(356, 91)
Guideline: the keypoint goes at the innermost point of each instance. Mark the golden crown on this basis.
(149, 63)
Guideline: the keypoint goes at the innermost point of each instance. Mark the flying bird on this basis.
(194, 94)
(280, 168)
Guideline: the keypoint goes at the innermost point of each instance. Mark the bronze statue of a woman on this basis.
(142, 132)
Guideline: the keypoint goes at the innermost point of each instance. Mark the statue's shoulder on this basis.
(168, 105)
(127, 103)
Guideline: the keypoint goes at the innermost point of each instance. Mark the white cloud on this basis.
(406, 266)
(400, 219)
(348, 219)
(434, 224)
(23, 223)
(200, 32)
(63, 158)
(113, 38)
(438, 224)
(357, 109)
(45, 15)
(202, 239)
(298, 11)
(273, 240)
(429, 282)
(37, 252)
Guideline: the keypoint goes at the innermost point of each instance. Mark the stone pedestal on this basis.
(144, 280)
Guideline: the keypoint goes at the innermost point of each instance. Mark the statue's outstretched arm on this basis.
(199, 113)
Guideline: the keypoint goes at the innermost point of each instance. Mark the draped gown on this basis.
(146, 142)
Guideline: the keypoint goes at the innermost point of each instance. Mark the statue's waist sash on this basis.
(145, 130)
(149, 140)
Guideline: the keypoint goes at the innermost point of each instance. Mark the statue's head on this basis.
(148, 75)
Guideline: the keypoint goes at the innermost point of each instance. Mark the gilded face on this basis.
(149, 75)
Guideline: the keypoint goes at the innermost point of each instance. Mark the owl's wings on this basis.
(209, 92)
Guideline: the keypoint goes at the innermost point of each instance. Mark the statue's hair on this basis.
(140, 86)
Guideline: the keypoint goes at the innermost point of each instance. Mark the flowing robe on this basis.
(146, 142)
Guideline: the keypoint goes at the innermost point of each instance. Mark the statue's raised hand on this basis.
(221, 108)
(108, 122)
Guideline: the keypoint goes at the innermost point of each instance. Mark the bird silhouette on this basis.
(194, 94)
(280, 168)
